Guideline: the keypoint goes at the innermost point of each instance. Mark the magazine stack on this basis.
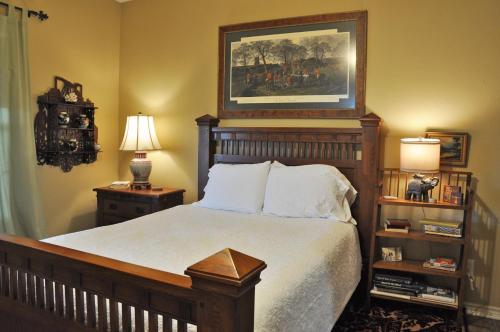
(441, 263)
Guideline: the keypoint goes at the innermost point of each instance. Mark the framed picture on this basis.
(302, 67)
(392, 254)
(454, 147)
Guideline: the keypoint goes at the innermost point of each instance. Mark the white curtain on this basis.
(21, 211)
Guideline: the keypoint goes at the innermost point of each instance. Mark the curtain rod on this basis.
(41, 15)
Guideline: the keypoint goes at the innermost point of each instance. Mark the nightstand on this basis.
(118, 205)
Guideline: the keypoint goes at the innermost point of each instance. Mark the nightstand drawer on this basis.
(135, 209)
(114, 207)
(118, 205)
(126, 209)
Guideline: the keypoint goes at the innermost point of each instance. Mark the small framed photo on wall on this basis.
(454, 147)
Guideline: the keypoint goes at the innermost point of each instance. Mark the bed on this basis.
(118, 285)
(327, 252)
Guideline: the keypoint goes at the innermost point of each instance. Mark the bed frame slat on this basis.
(126, 318)
(152, 321)
(91, 310)
(167, 324)
(114, 316)
(102, 320)
(139, 320)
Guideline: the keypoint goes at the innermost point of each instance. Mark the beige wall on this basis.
(79, 42)
(430, 64)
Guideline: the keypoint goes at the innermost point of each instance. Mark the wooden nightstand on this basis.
(118, 205)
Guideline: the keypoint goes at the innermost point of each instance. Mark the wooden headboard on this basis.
(354, 151)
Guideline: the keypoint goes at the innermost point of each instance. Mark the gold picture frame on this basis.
(454, 147)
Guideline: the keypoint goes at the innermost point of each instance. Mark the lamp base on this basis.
(140, 167)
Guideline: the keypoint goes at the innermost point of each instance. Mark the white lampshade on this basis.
(140, 134)
(420, 155)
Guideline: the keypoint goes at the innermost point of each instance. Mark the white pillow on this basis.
(351, 193)
(238, 187)
(309, 191)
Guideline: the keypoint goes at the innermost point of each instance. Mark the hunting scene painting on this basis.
(294, 67)
(301, 67)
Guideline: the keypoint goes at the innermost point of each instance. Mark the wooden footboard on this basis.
(44, 287)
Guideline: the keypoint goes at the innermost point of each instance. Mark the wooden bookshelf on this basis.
(421, 236)
(392, 182)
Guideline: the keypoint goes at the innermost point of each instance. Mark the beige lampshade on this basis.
(140, 134)
(420, 155)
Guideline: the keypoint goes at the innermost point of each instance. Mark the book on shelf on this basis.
(415, 291)
(390, 294)
(439, 294)
(443, 223)
(393, 278)
(397, 225)
(419, 298)
(446, 228)
(441, 263)
(403, 289)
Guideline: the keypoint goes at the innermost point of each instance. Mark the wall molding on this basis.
(475, 309)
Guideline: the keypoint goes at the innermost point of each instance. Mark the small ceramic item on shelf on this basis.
(71, 97)
(97, 147)
(68, 145)
(84, 121)
(63, 119)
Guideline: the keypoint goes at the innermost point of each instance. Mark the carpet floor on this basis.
(387, 319)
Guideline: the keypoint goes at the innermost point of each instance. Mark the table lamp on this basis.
(420, 155)
(140, 136)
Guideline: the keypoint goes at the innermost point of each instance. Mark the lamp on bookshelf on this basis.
(420, 156)
(140, 136)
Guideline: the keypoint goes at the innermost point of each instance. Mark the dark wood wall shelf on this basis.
(392, 182)
(65, 131)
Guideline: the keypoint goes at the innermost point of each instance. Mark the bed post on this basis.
(367, 178)
(227, 279)
(206, 149)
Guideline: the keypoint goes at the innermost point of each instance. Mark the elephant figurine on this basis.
(418, 188)
(426, 185)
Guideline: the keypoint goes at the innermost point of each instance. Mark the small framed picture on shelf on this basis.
(454, 147)
(392, 254)
(453, 194)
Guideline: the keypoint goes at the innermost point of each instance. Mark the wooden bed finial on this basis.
(232, 276)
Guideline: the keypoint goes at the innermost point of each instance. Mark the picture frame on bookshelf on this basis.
(454, 147)
(452, 194)
(392, 254)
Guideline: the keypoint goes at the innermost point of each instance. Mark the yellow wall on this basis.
(79, 42)
(430, 64)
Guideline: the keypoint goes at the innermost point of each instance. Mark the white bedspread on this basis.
(314, 265)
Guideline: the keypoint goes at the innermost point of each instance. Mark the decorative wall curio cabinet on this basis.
(65, 131)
